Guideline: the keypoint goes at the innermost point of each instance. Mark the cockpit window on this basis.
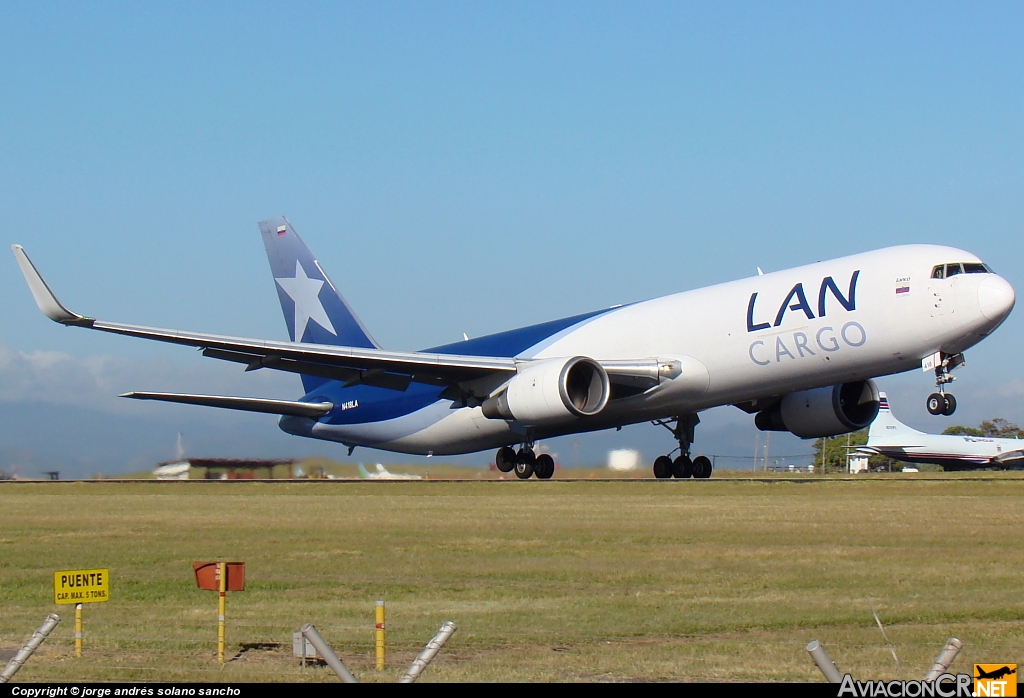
(944, 271)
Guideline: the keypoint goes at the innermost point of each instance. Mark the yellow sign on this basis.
(995, 680)
(81, 586)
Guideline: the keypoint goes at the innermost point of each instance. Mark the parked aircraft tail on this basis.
(383, 473)
(380, 473)
(886, 426)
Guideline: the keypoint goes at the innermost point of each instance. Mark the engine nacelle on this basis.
(829, 411)
(552, 391)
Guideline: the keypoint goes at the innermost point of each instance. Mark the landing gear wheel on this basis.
(506, 459)
(950, 407)
(523, 470)
(682, 467)
(544, 468)
(936, 403)
(702, 467)
(524, 463)
(663, 467)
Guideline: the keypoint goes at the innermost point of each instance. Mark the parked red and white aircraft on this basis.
(894, 439)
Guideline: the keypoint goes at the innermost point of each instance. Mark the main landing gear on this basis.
(682, 467)
(942, 402)
(525, 463)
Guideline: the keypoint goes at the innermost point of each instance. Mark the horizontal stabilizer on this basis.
(246, 404)
(1010, 459)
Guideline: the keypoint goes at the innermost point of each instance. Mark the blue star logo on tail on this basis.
(305, 292)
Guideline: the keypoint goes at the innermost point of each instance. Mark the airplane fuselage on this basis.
(838, 321)
(959, 452)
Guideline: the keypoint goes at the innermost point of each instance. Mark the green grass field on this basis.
(718, 580)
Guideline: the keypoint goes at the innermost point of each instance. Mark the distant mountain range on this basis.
(80, 442)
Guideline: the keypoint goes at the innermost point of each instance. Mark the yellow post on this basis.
(78, 630)
(379, 633)
(222, 572)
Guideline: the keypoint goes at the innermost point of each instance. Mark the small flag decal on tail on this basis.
(281, 230)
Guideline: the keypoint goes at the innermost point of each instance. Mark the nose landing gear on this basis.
(942, 402)
(682, 467)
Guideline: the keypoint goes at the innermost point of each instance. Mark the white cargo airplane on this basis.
(893, 439)
(382, 473)
(798, 348)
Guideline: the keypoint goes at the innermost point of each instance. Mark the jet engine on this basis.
(810, 414)
(552, 391)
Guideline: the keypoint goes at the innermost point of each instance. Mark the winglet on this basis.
(47, 302)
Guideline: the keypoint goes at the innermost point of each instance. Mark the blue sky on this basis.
(471, 167)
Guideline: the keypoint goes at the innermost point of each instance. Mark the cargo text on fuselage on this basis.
(801, 344)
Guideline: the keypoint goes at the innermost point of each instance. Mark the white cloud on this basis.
(1014, 388)
(94, 382)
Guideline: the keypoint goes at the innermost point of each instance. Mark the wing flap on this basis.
(246, 404)
(377, 378)
(440, 366)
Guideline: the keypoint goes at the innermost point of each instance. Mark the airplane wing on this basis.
(351, 365)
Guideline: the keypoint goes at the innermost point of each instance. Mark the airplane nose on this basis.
(996, 298)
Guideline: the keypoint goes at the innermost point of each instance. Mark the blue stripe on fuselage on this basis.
(513, 342)
(359, 404)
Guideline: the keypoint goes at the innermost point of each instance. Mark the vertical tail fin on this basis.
(886, 426)
(313, 309)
